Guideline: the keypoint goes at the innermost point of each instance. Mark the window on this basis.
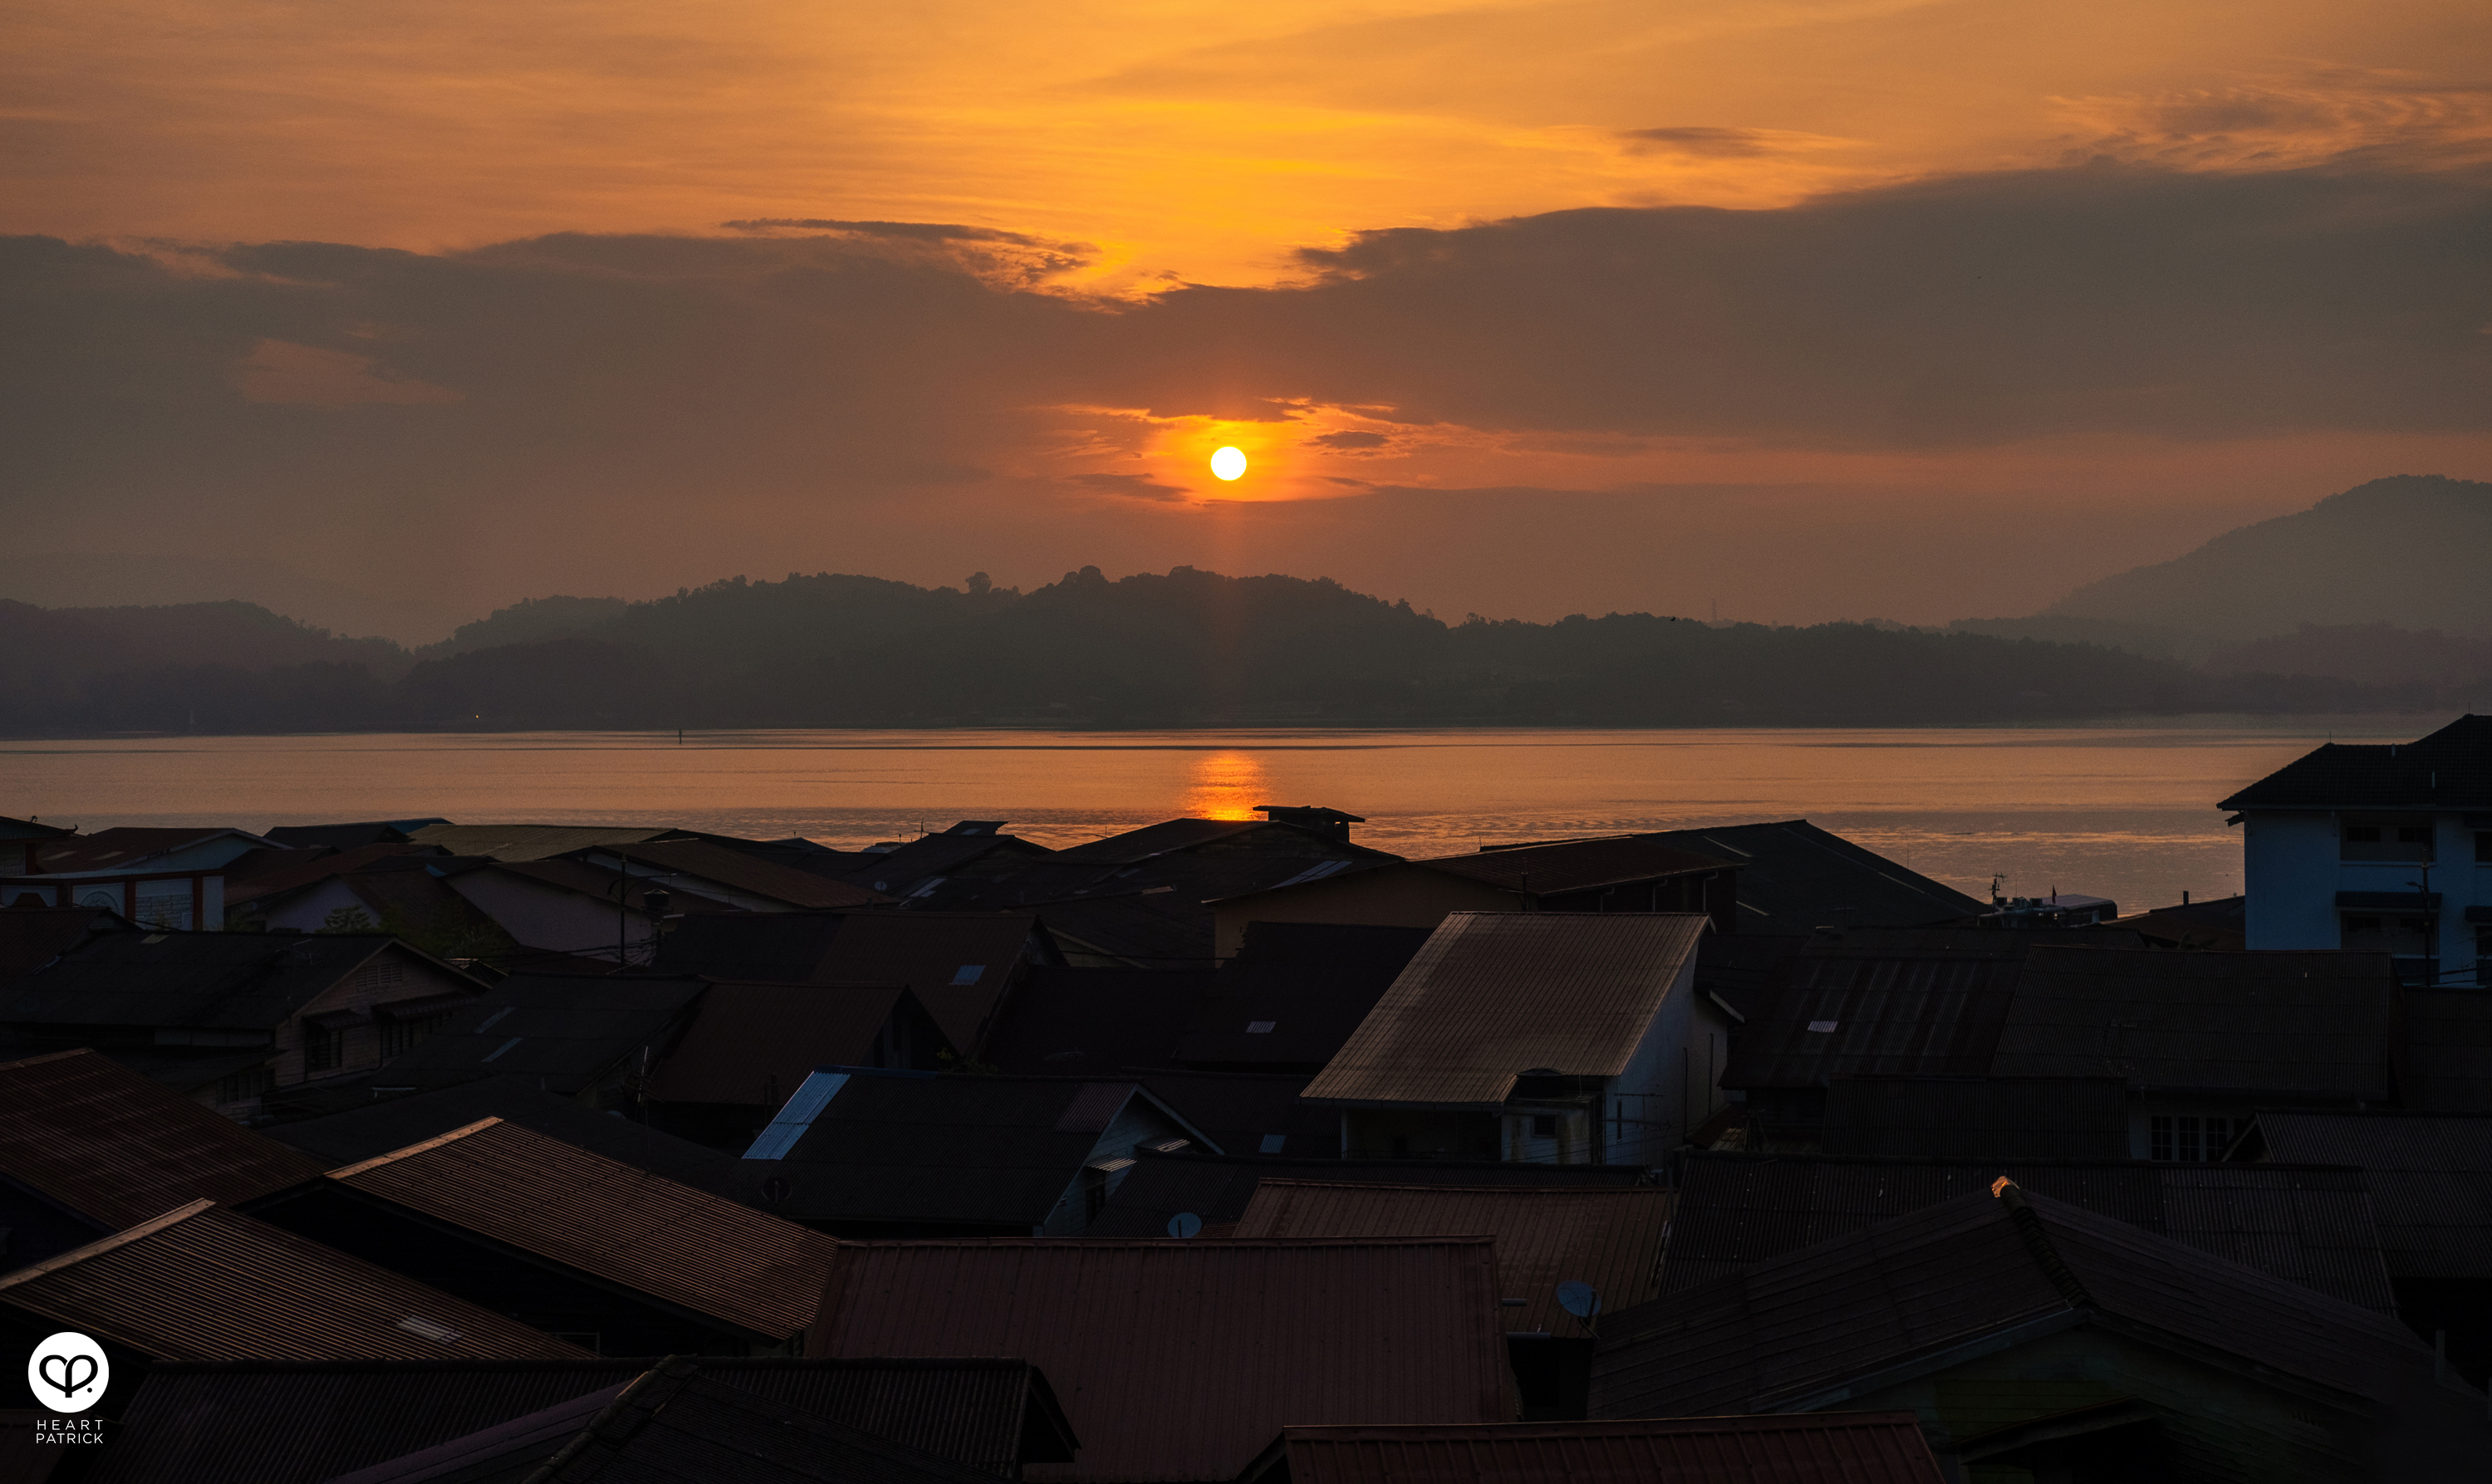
(2362, 924)
(2383, 838)
(2191, 1140)
(398, 1036)
(321, 1049)
(2484, 848)
(1544, 1125)
(380, 974)
(1094, 1195)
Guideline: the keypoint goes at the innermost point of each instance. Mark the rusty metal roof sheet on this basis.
(757, 1043)
(1217, 1187)
(611, 1220)
(1607, 1236)
(1853, 1447)
(1978, 1117)
(677, 1423)
(2299, 1023)
(117, 1147)
(1562, 866)
(202, 1283)
(1181, 1360)
(1839, 1014)
(2430, 1177)
(1493, 994)
(210, 1423)
(2307, 1225)
(1792, 1332)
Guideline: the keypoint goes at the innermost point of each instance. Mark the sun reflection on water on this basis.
(1225, 786)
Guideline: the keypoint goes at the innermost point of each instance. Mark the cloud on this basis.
(281, 374)
(1712, 144)
(1352, 438)
(1140, 487)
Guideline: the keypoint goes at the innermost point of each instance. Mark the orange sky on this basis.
(1110, 152)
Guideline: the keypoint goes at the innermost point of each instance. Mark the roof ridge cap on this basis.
(2037, 1242)
(101, 1245)
(345, 1171)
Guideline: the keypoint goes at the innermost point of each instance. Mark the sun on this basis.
(1229, 463)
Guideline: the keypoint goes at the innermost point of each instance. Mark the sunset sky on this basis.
(1863, 308)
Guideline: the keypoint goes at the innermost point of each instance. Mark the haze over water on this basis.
(2122, 813)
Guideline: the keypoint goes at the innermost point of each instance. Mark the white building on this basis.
(2382, 847)
(156, 877)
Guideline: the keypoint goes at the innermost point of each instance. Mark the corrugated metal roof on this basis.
(1246, 1111)
(1563, 865)
(235, 981)
(1092, 1022)
(676, 1424)
(1172, 835)
(1806, 1324)
(110, 1144)
(32, 936)
(2307, 1023)
(211, 1423)
(744, 872)
(202, 1283)
(2450, 769)
(565, 1029)
(1978, 1117)
(929, 952)
(530, 842)
(1853, 1447)
(359, 1134)
(2430, 1177)
(1796, 878)
(622, 1224)
(755, 1043)
(127, 848)
(1493, 994)
(1217, 1188)
(1609, 1237)
(1182, 1360)
(2306, 1224)
(1846, 1014)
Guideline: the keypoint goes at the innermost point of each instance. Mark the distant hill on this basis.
(526, 622)
(114, 580)
(206, 666)
(2408, 552)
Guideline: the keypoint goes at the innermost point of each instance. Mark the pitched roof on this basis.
(1557, 866)
(959, 965)
(675, 1423)
(118, 1148)
(1978, 1117)
(1493, 994)
(1856, 1447)
(610, 1220)
(530, 842)
(2430, 1177)
(944, 1150)
(396, 1122)
(2307, 1023)
(239, 981)
(1246, 1111)
(32, 936)
(744, 872)
(1609, 1236)
(1309, 1332)
(566, 1030)
(1921, 1289)
(2215, 922)
(1259, 837)
(896, 873)
(757, 1043)
(2450, 769)
(1849, 1014)
(202, 1283)
(195, 1423)
(279, 872)
(1092, 1022)
(1295, 993)
(1795, 877)
(2308, 1225)
(127, 848)
(345, 837)
(1216, 1188)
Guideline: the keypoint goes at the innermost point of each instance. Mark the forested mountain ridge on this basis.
(1177, 649)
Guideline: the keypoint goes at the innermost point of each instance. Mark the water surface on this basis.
(2127, 813)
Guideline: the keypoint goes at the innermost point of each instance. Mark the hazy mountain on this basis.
(526, 622)
(105, 580)
(2370, 652)
(208, 666)
(2408, 552)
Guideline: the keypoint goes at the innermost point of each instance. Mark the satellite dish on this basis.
(1184, 1224)
(1579, 1299)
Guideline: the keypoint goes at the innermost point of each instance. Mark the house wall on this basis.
(1419, 1133)
(309, 910)
(1389, 895)
(2293, 868)
(1664, 1089)
(541, 916)
(393, 974)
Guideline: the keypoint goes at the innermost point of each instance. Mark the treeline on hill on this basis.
(1185, 649)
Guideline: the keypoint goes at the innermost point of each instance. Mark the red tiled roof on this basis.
(1182, 1360)
(110, 1144)
(611, 1219)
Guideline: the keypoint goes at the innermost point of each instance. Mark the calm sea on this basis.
(2121, 812)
